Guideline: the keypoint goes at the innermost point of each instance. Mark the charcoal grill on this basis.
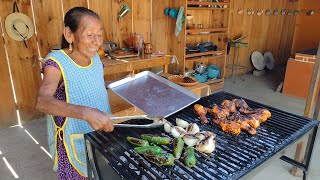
(235, 157)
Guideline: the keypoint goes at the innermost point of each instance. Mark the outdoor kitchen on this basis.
(183, 89)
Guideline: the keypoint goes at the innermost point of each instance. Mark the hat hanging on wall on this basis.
(19, 26)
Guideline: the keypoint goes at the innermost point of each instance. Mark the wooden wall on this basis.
(23, 64)
(307, 35)
(8, 116)
(263, 33)
(139, 20)
(48, 19)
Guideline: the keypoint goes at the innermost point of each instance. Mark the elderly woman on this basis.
(73, 92)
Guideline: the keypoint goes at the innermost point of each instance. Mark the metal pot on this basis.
(201, 68)
(189, 73)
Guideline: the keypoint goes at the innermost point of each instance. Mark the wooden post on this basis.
(316, 114)
(311, 101)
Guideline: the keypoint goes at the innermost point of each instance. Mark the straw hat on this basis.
(19, 26)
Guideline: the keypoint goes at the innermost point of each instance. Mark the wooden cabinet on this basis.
(210, 21)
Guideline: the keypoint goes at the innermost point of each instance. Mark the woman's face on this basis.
(89, 36)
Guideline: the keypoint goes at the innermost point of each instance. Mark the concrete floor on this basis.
(30, 161)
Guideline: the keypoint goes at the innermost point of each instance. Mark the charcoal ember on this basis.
(188, 80)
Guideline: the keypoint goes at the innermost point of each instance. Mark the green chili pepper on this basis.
(137, 142)
(177, 147)
(156, 139)
(149, 150)
(189, 157)
(165, 159)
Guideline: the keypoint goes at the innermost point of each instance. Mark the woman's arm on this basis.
(46, 103)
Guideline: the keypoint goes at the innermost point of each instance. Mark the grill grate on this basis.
(234, 156)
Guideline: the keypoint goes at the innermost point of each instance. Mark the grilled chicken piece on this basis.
(202, 112)
(240, 103)
(262, 115)
(218, 112)
(247, 110)
(228, 126)
(231, 106)
(240, 120)
(252, 120)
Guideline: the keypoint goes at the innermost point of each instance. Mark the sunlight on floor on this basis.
(46, 152)
(36, 142)
(10, 168)
(31, 137)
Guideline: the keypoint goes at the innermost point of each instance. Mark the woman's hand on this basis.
(98, 120)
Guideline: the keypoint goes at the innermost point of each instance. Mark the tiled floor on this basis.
(30, 161)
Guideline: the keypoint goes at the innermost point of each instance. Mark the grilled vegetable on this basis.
(149, 150)
(177, 147)
(167, 127)
(193, 128)
(190, 139)
(165, 159)
(177, 131)
(156, 139)
(137, 142)
(189, 157)
(182, 123)
(207, 145)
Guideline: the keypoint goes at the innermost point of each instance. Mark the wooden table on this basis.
(113, 66)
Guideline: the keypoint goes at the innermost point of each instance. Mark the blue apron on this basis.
(84, 86)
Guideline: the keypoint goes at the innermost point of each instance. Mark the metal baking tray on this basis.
(153, 94)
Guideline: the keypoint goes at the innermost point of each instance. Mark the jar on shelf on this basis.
(147, 48)
(189, 22)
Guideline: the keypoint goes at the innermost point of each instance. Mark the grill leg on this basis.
(305, 177)
(309, 149)
(307, 157)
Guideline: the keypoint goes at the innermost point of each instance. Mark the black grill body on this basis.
(233, 158)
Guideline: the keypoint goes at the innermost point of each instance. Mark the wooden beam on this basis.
(316, 114)
(313, 87)
(311, 101)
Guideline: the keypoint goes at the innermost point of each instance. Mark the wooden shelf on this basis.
(214, 81)
(218, 53)
(212, 30)
(207, 3)
(201, 58)
(209, 34)
(206, 8)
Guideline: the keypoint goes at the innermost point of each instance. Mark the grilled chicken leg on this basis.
(230, 105)
(240, 103)
(219, 112)
(263, 114)
(238, 118)
(252, 120)
(228, 126)
(202, 112)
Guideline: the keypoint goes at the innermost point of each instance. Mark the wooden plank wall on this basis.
(263, 33)
(8, 116)
(178, 43)
(48, 18)
(23, 63)
(49, 24)
(306, 35)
